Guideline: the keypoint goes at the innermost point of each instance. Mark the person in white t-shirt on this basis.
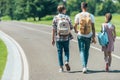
(85, 39)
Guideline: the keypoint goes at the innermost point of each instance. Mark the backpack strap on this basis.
(104, 27)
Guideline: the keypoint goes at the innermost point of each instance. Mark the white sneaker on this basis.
(84, 70)
(61, 70)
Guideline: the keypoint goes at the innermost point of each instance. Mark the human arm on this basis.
(94, 35)
(114, 33)
(54, 31)
(76, 23)
(93, 29)
(75, 28)
(53, 37)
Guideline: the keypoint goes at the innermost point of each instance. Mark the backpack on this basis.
(63, 26)
(103, 37)
(85, 24)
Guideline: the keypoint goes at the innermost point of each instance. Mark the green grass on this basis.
(3, 57)
(5, 18)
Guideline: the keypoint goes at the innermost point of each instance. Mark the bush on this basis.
(48, 17)
(74, 13)
(5, 18)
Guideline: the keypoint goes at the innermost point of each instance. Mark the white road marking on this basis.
(24, 59)
(13, 68)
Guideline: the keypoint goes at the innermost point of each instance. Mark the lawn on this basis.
(98, 21)
(3, 57)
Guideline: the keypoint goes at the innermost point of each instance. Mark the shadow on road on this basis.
(95, 71)
(75, 71)
(102, 71)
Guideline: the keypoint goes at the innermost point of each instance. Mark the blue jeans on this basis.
(84, 45)
(60, 46)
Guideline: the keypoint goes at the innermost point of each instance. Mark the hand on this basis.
(76, 31)
(94, 40)
(53, 42)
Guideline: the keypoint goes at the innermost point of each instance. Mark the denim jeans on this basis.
(62, 45)
(84, 45)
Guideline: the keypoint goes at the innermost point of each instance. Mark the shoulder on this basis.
(67, 16)
(92, 16)
(55, 17)
(113, 25)
(77, 15)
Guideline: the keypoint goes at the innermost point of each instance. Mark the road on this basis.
(42, 56)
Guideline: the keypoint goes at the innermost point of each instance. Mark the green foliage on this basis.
(91, 6)
(74, 5)
(48, 17)
(105, 7)
(3, 57)
(74, 13)
(5, 18)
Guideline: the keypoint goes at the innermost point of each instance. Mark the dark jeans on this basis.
(84, 45)
(62, 45)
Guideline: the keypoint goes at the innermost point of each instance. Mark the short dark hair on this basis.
(108, 17)
(84, 5)
(60, 8)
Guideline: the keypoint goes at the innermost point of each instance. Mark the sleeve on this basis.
(54, 23)
(76, 19)
(92, 19)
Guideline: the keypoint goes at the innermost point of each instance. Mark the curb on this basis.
(16, 66)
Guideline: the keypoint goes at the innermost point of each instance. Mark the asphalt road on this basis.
(42, 56)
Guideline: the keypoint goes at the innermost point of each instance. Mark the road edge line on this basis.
(23, 57)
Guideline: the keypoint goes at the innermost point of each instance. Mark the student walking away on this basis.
(110, 29)
(61, 35)
(85, 33)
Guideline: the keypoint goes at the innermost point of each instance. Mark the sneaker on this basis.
(61, 70)
(84, 70)
(67, 66)
(107, 67)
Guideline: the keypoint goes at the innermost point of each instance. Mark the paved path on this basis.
(42, 57)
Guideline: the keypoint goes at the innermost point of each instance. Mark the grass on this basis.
(3, 57)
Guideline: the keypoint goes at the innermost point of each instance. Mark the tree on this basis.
(20, 9)
(105, 7)
(76, 7)
(45, 7)
(92, 6)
